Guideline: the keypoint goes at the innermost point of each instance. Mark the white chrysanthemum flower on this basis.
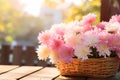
(82, 52)
(91, 39)
(103, 50)
(113, 27)
(74, 27)
(43, 52)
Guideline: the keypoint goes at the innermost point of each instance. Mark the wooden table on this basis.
(14, 72)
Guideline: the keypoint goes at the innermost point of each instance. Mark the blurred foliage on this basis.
(15, 24)
(8, 14)
(27, 27)
(53, 3)
(75, 12)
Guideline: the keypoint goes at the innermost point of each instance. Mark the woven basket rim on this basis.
(90, 67)
(94, 59)
(98, 58)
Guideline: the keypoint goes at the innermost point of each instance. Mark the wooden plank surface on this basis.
(48, 73)
(5, 68)
(19, 72)
(13, 72)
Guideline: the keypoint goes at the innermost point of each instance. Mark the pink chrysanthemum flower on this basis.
(72, 40)
(101, 25)
(115, 18)
(114, 42)
(44, 37)
(56, 43)
(88, 19)
(104, 37)
(66, 53)
(59, 29)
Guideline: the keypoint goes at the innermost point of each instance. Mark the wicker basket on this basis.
(93, 67)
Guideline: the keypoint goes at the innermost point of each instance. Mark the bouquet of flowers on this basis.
(80, 39)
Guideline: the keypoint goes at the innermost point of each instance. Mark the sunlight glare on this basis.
(32, 6)
(76, 2)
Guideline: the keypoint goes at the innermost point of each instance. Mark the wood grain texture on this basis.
(5, 68)
(19, 72)
(48, 73)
